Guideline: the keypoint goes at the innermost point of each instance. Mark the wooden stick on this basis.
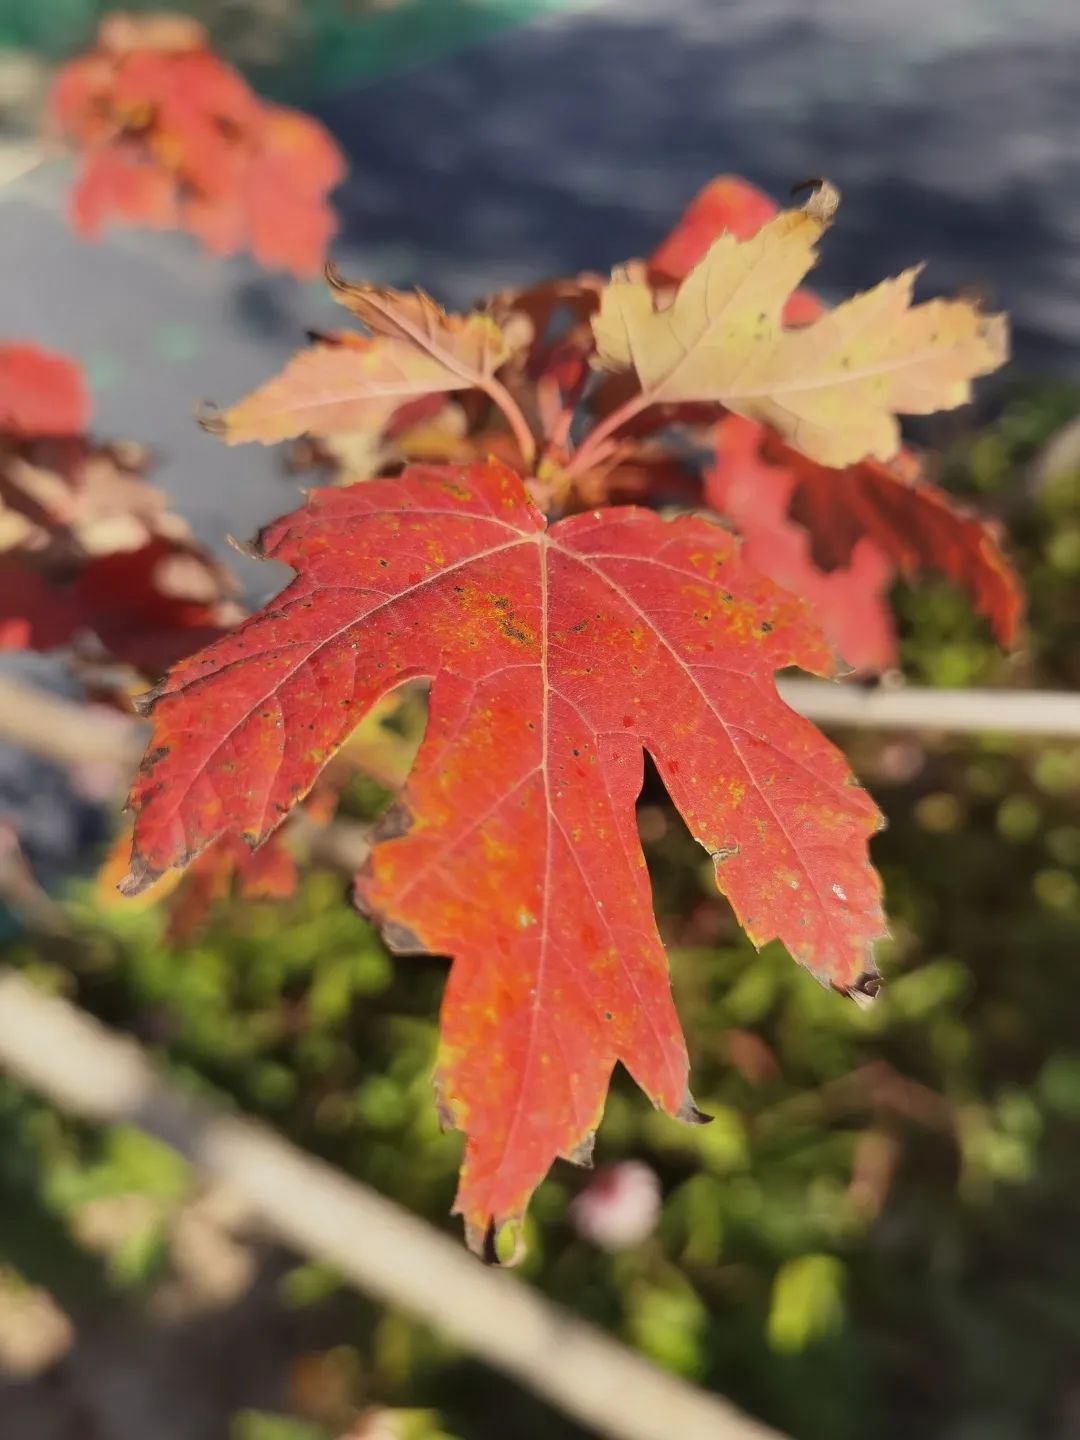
(1044, 713)
(53, 1048)
(66, 731)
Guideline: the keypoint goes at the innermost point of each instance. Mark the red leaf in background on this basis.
(726, 203)
(837, 537)
(123, 600)
(34, 615)
(172, 136)
(41, 393)
(152, 606)
(268, 873)
(88, 548)
(850, 600)
(556, 656)
(276, 207)
(918, 527)
(119, 183)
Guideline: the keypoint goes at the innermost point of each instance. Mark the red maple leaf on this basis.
(557, 655)
(172, 136)
(849, 600)
(837, 537)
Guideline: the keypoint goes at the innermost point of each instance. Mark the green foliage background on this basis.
(877, 1236)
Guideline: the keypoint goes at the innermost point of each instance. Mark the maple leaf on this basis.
(556, 655)
(832, 388)
(860, 521)
(41, 393)
(173, 137)
(837, 537)
(351, 382)
(909, 520)
(848, 600)
(728, 204)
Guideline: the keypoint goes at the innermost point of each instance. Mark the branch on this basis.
(913, 707)
(48, 1045)
(66, 731)
(497, 392)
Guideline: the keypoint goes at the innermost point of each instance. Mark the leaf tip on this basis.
(400, 940)
(689, 1113)
(498, 1242)
(823, 201)
(334, 277)
(582, 1153)
(251, 549)
(865, 989)
(209, 418)
(139, 877)
(143, 704)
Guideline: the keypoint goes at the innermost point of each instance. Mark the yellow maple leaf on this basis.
(832, 389)
(347, 382)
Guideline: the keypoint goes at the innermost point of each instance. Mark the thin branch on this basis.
(65, 731)
(497, 392)
(1045, 713)
(592, 447)
(50, 1046)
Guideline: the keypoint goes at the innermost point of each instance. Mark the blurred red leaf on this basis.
(918, 527)
(172, 136)
(229, 867)
(837, 537)
(88, 548)
(34, 615)
(850, 600)
(41, 393)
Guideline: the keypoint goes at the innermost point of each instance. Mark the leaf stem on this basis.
(587, 450)
(500, 396)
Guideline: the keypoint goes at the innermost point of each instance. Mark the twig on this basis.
(593, 444)
(973, 712)
(63, 730)
(497, 392)
(50, 1046)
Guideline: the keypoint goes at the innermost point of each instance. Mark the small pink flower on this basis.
(619, 1207)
